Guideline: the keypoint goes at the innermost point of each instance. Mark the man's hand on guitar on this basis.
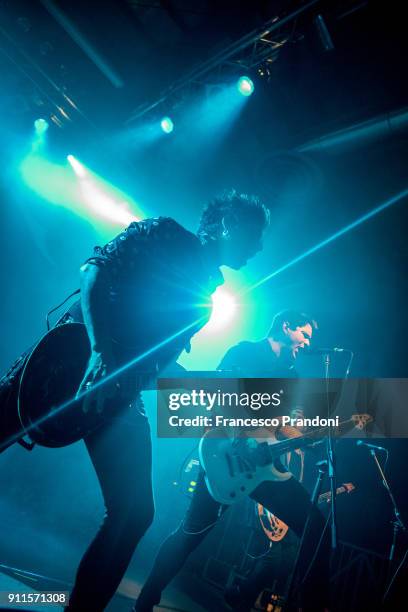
(100, 365)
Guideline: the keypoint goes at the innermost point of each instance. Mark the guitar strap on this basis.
(60, 320)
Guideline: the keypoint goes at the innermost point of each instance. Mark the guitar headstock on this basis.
(361, 420)
(348, 487)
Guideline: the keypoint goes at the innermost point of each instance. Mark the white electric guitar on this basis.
(234, 467)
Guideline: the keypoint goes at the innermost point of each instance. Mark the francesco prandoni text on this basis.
(255, 401)
(220, 421)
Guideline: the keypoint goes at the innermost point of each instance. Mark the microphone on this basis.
(325, 351)
(380, 448)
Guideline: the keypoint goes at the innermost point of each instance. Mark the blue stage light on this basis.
(40, 126)
(245, 86)
(167, 125)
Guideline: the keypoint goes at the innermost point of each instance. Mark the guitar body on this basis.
(234, 467)
(229, 476)
(50, 380)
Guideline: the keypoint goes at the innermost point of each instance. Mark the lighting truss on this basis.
(254, 51)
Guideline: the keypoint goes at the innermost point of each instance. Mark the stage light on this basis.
(80, 190)
(224, 307)
(167, 125)
(245, 86)
(77, 167)
(103, 202)
(40, 126)
(101, 197)
(40, 129)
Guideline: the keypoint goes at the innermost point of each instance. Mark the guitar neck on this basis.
(286, 446)
(311, 437)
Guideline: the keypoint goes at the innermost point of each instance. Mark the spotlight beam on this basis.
(90, 50)
(375, 211)
(102, 382)
(76, 165)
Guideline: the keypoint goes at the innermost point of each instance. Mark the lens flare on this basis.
(224, 310)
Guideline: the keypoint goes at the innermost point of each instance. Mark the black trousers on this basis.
(120, 451)
(289, 500)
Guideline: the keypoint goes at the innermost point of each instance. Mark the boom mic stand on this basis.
(397, 523)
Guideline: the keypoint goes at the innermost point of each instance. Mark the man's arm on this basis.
(234, 359)
(95, 303)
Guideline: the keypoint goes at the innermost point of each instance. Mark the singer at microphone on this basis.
(374, 446)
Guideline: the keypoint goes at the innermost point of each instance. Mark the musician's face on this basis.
(240, 244)
(297, 339)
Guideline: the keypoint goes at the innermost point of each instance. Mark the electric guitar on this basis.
(48, 407)
(275, 529)
(234, 467)
(49, 410)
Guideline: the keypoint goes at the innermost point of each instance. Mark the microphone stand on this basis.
(323, 466)
(295, 583)
(397, 523)
(331, 460)
(329, 465)
(330, 450)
